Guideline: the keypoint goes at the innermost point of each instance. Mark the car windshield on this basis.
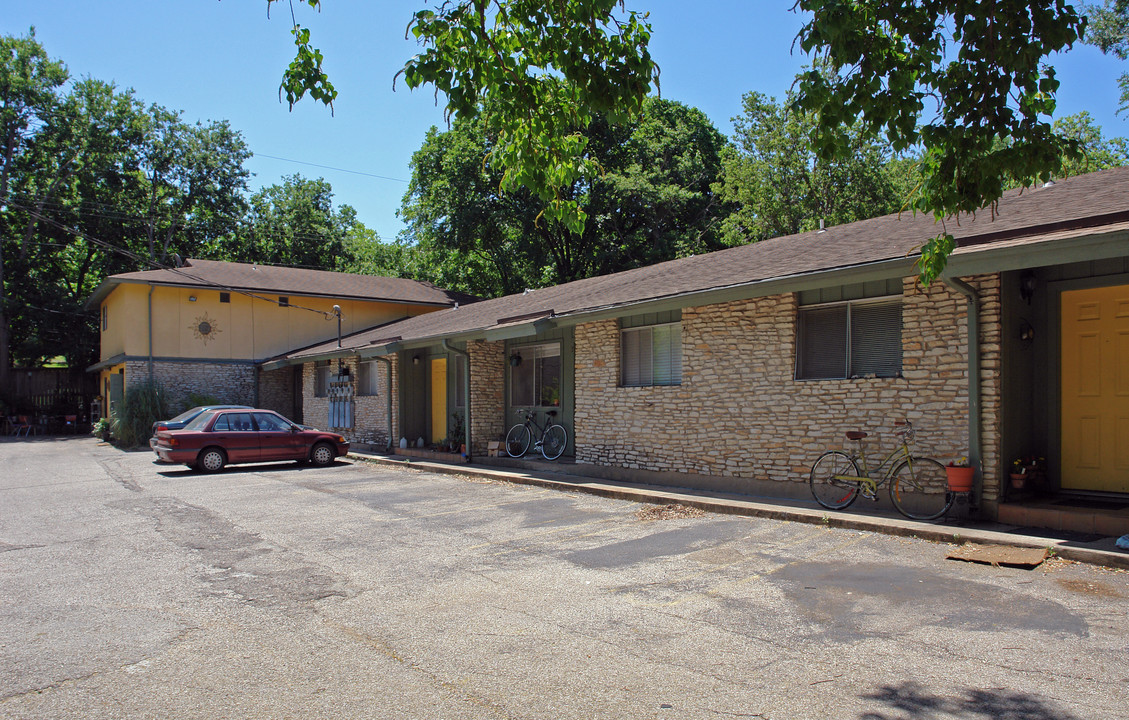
(199, 420)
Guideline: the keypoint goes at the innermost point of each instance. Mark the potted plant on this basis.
(1026, 470)
(960, 475)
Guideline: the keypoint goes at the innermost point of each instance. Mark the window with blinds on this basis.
(367, 377)
(849, 340)
(651, 355)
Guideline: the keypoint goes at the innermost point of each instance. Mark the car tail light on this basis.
(173, 442)
(162, 427)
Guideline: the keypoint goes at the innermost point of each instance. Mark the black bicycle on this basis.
(552, 440)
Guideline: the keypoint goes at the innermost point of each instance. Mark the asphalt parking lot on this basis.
(133, 590)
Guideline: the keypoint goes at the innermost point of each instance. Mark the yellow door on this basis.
(1095, 389)
(438, 399)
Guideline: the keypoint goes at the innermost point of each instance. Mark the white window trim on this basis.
(880, 300)
(624, 331)
(370, 371)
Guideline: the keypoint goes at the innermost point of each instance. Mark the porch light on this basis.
(515, 360)
(415, 359)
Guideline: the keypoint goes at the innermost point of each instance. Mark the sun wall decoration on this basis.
(204, 328)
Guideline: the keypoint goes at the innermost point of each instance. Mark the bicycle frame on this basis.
(867, 484)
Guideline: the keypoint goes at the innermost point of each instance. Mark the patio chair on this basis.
(23, 426)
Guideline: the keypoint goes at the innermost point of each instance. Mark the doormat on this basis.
(1000, 555)
(1092, 504)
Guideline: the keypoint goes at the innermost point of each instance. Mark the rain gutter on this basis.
(975, 451)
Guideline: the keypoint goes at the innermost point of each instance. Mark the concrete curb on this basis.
(733, 505)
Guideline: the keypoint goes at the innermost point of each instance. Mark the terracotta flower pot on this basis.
(1018, 480)
(960, 478)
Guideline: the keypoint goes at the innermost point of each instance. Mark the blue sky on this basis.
(223, 59)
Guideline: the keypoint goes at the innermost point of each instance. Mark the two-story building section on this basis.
(203, 328)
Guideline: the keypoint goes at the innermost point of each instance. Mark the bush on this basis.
(198, 400)
(144, 405)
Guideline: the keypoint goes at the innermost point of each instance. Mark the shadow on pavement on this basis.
(910, 700)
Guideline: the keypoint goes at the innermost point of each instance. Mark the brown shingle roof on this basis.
(1093, 200)
(248, 277)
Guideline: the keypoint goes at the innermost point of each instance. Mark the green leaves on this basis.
(305, 73)
(544, 70)
(965, 80)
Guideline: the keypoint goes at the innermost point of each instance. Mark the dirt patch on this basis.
(1086, 587)
(673, 511)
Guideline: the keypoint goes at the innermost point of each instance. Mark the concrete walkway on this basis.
(1102, 551)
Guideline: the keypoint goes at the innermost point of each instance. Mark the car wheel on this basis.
(322, 454)
(211, 460)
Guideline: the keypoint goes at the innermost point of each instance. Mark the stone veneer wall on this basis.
(487, 393)
(370, 412)
(229, 383)
(740, 413)
(276, 391)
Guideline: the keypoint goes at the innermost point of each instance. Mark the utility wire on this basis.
(160, 266)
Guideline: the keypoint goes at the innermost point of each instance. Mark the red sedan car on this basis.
(221, 437)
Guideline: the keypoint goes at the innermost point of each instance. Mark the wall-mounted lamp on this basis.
(1026, 332)
(415, 359)
(191, 298)
(515, 360)
(1027, 285)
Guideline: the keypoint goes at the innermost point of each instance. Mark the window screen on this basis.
(368, 377)
(651, 355)
(321, 379)
(848, 340)
(535, 376)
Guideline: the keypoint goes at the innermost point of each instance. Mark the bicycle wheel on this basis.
(919, 489)
(517, 441)
(831, 493)
(554, 441)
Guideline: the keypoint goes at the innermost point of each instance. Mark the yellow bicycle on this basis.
(919, 486)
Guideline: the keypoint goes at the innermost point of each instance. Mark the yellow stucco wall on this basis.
(247, 328)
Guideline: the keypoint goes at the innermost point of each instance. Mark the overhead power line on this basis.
(330, 167)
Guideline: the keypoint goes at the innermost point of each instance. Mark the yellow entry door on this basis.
(1095, 389)
(438, 399)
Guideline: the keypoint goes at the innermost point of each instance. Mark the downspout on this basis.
(151, 289)
(974, 390)
(388, 366)
(466, 394)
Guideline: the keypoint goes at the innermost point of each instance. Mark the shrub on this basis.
(199, 399)
(144, 405)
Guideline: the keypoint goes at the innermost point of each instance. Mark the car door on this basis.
(277, 441)
(235, 432)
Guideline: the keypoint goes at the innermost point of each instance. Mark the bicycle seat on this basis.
(551, 413)
(856, 435)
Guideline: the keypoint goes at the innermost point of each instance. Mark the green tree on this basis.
(1097, 151)
(654, 201)
(292, 223)
(780, 186)
(29, 83)
(964, 80)
(544, 70)
(1108, 28)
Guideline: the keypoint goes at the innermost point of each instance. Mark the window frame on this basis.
(675, 380)
(322, 370)
(848, 349)
(368, 374)
(535, 350)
